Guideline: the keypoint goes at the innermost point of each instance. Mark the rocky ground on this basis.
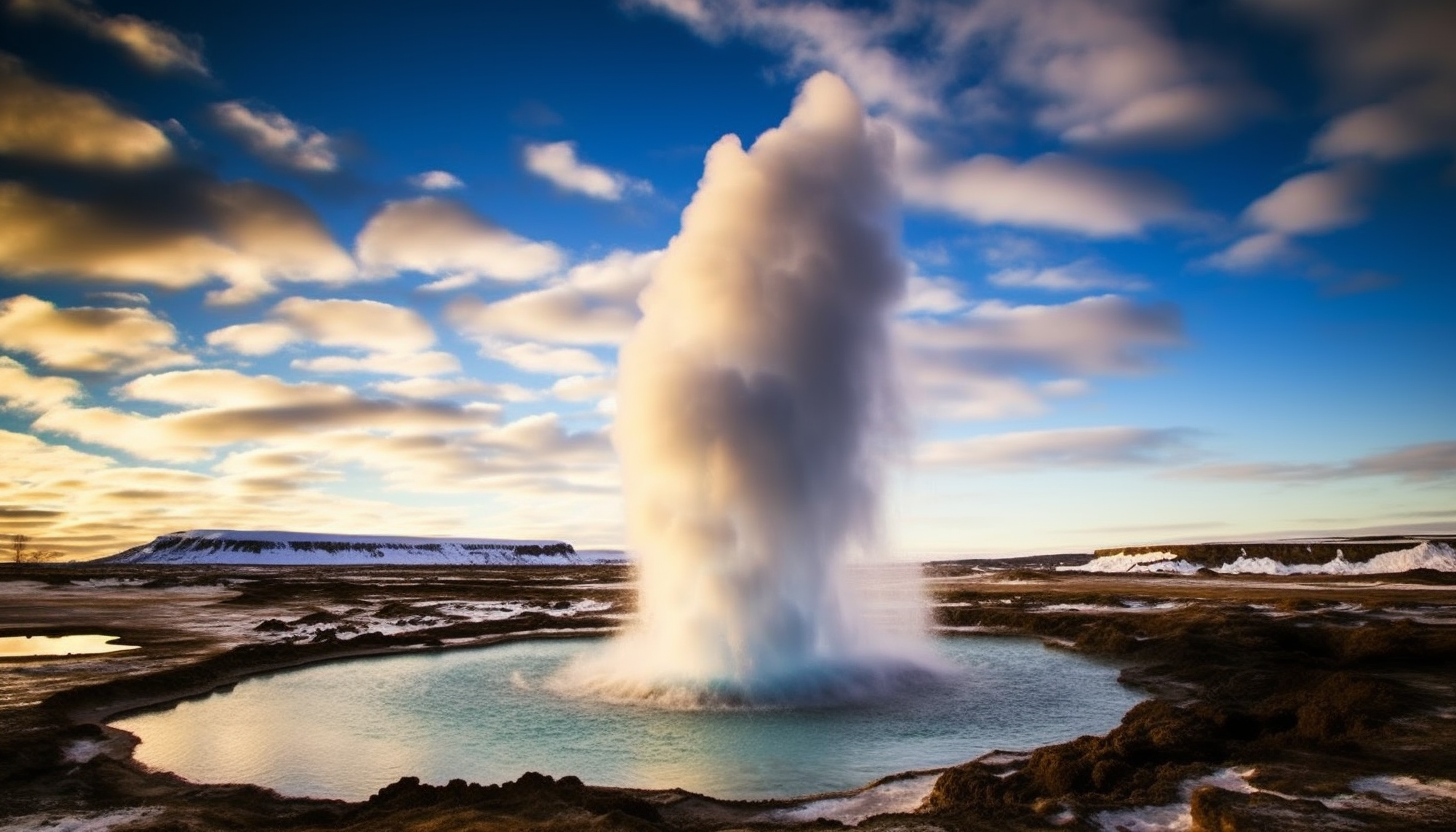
(1276, 703)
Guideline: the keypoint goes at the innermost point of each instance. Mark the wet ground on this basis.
(1278, 703)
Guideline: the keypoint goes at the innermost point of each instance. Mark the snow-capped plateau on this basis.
(1429, 554)
(279, 548)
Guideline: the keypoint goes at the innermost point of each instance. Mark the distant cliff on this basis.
(279, 548)
(1291, 552)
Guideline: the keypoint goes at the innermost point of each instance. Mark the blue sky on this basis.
(1177, 271)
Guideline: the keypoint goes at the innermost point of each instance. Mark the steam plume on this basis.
(756, 401)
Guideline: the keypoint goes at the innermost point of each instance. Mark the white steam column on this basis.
(756, 403)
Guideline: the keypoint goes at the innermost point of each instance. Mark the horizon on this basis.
(1174, 275)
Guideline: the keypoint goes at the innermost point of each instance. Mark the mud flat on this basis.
(1277, 702)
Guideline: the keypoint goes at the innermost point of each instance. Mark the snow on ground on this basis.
(895, 796)
(1366, 792)
(280, 548)
(1427, 555)
(90, 822)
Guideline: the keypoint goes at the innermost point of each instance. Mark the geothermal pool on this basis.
(345, 729)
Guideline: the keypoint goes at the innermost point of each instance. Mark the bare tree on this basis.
(17, 543)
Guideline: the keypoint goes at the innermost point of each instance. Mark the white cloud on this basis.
(543, 359)
(50, 123)
(151, 44)
(396, 338)
(275, 138)
(1103, 71)
(249, 235)
(583, 388)
(436, 180)
(1253, 252)
(982, 364)
(392, 364)
(1311, 203)
(557, 163)
(1104, 334)
(1079, 276)
(438, 388)
(361, 324)
(1422, 462)
(445, 238)
(226, 408)
(1099, 447)
(1391, 64)
(1049, 191)
(595, 303)
(87, 338)
(1096, 71)
(932, 295)
(21, 390)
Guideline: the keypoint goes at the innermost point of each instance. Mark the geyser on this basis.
(756, 406)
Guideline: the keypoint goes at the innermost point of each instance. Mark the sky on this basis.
(1176, 270)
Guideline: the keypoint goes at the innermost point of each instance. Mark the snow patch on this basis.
(1428, 555)
(93, 822)
(895, 796)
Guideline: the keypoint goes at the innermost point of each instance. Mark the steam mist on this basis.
(756, 404)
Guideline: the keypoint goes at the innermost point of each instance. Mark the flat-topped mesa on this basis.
(282, 548)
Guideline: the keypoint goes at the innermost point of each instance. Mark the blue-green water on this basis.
(348, 728)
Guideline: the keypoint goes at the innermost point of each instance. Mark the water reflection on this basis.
(346, 729)
(21, 646)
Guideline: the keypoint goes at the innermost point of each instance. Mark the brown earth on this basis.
(1304, 685)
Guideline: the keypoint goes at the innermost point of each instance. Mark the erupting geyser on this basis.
(756, 404)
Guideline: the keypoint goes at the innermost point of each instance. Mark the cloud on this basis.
(1049, 191)
(396, 338)
(1095, 71)
(1392, 68)
(89, 505)
(1311, 203)
(443, 237)
(583, 388)
(557, 163)
(932, 295)
(438, 388)
(87, 338)
(149, 43)
(1107, 334)
(985, 362)
(360, 324)
(392, 364)
(120, 298)
(275, 138)
(1079, 276)
(540, 358)
(1099, 447)
(436, 180)
(23, 391)
(47, 123)
(1415, 463)
(1253, 252)
(229, 408)
(174, 231)
(1104, 72)
(594, 303)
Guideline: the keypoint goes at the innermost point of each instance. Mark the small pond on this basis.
(346, 729)
(26, 646)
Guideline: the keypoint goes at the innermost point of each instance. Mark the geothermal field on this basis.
(768, 423)
(406, 697)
